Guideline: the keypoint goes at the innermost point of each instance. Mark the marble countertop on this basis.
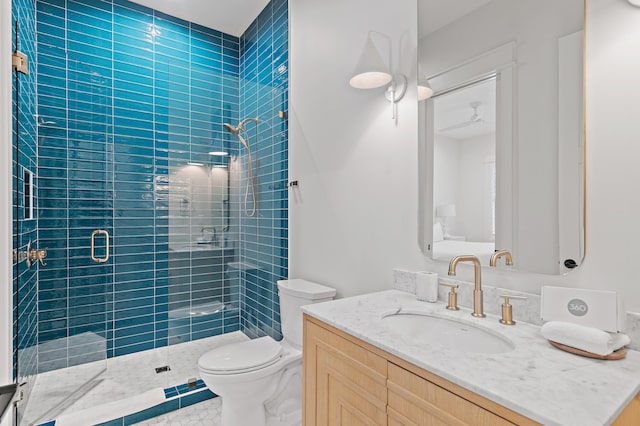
(536, 380)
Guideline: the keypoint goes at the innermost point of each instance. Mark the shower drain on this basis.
(162, 369)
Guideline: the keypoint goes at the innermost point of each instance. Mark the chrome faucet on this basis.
(501, 253)
(212, 231)
(478, 310)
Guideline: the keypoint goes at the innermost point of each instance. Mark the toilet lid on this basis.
(241, 357)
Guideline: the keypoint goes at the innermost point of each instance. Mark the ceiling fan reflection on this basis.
(474, 119)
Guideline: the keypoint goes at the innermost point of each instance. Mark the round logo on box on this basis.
(578, 307)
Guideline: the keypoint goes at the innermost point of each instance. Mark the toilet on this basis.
(261, 379)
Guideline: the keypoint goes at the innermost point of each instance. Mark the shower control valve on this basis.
(31, 256)
(38, 256)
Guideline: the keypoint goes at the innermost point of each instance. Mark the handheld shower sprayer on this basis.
(231, 128)
(236, 130)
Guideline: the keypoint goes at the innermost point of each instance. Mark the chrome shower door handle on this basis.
(93, 246)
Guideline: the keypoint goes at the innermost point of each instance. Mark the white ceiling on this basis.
(453, 108)
(435, 14)
(229, 16)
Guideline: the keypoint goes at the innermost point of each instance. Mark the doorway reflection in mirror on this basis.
(464, 184)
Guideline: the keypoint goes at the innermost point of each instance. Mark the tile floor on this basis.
(76, 388)
(205, 413)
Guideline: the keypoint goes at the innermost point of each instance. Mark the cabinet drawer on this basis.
(413, 401)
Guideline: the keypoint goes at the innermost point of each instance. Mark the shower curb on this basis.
(176, 397)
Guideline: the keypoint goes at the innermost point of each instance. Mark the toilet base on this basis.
(289, 419)
(272, 400)
(257, 416)
(242, 413)
(284, 407)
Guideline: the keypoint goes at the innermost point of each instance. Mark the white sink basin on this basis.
(459, 336)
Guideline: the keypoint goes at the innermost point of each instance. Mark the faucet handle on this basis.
(507, 309)
(453, 296)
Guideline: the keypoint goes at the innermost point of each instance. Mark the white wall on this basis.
(353, 217)
(570, 155)
(6, 317)
(5, 203)
(445, 178)
(613, 151)
(459, 178)
(474, 197)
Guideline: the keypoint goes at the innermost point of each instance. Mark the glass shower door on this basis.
(75, 224)
(201, 301)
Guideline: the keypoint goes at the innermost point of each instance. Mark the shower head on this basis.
(251, 185)
(231, 129)
(236, 129)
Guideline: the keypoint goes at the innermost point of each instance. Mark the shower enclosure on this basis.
(139, 194)
(202, 298)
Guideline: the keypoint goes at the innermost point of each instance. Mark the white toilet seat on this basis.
(247, 375)
(241, 357)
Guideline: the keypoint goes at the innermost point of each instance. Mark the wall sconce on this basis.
(372, 72)
(424, 88)
(424, 91)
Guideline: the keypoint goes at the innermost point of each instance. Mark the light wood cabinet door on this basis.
(344, 384)
(414, 401)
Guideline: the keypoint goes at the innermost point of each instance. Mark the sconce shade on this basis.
(371, 71)
(446, 210)
(424, 88)
(424, 91)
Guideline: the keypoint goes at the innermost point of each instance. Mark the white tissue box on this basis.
(590, 308)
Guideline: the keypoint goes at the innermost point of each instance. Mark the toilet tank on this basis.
(294, 294)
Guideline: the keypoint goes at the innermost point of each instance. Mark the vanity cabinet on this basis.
(350, 382)
(345, 384)
(413, 400)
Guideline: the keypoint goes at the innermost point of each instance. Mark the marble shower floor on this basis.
(76, 388)
(206, 413)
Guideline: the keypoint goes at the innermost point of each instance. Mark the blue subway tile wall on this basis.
(25, 313)
(127, 96)
(264, 238)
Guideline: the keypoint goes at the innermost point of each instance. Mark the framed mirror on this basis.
(502, 135)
